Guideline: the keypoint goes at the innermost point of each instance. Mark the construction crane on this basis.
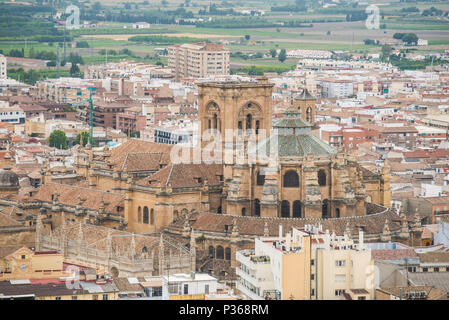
(90, 100)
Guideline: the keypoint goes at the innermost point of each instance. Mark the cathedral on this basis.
(262, 173)
(292, 175)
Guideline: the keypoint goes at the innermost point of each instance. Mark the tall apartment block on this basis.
(198, 60)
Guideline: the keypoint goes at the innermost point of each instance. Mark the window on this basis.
(312, 262)
(157, 292)
(228, 254)
(58, 298)
(260, 178)
(243, 212)
(186, 289)
(174, 288)
(425, 269)
(145, 215)
(325, 209)
(312, 292)
(338, 292)
(257, 208)
(361, 298)
(291, 179)
(211, 252)
(321, 178)
(249, 120)
(312, 277)
(340, 263)
(337, 212)
(285, 209)
(105, 297)
(436, 269)
(220, 252)
(340, 278)
(23, 257)
(206, 289)
(74, 298)
(297, 209)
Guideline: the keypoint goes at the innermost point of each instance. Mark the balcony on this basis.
(248, 292)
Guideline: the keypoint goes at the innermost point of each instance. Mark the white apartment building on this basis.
(3, 67)
(336, 88)
(11, 114)
(198, 60)
(306, 264)
(181, 284)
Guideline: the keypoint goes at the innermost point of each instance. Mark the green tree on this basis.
(410, 38)
(282, 55)
(58, 140)
(273, 53)
(74, 70)
(83, 138)
(386, 51)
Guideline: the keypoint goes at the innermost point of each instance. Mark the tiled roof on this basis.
(434, 257)
(397, 254)
(433, 293)
(185, 176)
(68, 195)
(437, 279)
(254, 226)
(140, 161)
(139, 146)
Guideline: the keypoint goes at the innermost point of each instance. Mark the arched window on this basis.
(285, 209)
(215, 121)
(325, 208)
(297, 209)
(219, 210)
(139, 215)
(337, 213)
(152, 216)
(210, 126)
(243, 212)
(211, 252)
(309, 114)
(260, 178)
(220, 252)
(321, 178)
(257, 126)
(239, 126)
(257, 208)
(144, 250)
(249, 120)
(291, 179)
(228, 254)
(145, 215)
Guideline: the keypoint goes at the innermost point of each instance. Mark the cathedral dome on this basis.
(8, 179)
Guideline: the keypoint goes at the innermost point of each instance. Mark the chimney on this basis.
(360, 238)
(288, 241)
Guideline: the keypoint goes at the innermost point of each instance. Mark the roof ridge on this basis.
(169, 175)
(84, 188)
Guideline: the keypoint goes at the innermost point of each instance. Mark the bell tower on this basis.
(305, 103)
(238, 112)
